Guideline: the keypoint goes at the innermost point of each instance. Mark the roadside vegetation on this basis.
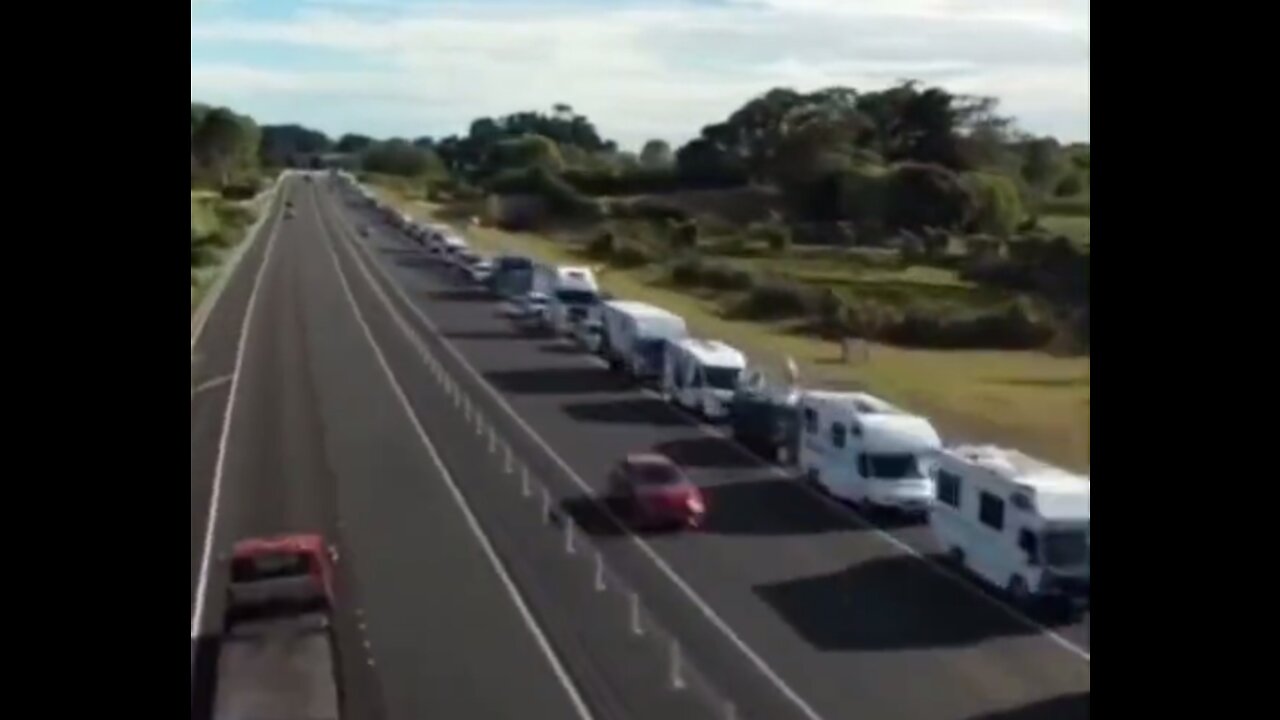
(922, 223)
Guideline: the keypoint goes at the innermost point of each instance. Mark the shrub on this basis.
(1016, 327)
(999, 207)
(240, 191)
(624, 182)
(773, 300)
(774, 234)
(630, 255)
(602, 245)
(1069, 186)
(684, 234)
(921, 195)
(723, 277)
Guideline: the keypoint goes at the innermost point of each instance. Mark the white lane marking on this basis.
(580, 707)
(205, 309)
(644, 547)
(840, 510)
(210, 384)
(215, 495)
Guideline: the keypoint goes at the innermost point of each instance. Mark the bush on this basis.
(602, 246)
(687, 271)
(774, 300)
(1069, 186)
(642, 210)
(630, 255)
(240, 191)
(723, 277)
(776, 235)
(561, 198)
(1016, 327)
(684, 235)
(635, 181)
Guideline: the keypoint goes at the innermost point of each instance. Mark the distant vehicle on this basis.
(648, 489)
(306, 177)
(278, 654)
(765, 417)
(573, 294)
(512, 276)
(1016, 522)
(289, 212)
(452, 247)
(635, 334)
(861, 449)
(364, 230)
(480, 270)
(701, 375)
(588, 334)
(531, 308)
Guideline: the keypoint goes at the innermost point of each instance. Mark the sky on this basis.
(639, 69)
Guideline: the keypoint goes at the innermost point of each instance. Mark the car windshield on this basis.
(1066, 548)
(577, 297)
(722, 378)
(893, 466)
(651, 350)
(655, 474)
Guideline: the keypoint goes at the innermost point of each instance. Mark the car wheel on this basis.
(955, 556)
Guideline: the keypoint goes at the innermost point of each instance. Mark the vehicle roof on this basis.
(859, 403)
(637, 308)
(1057, 493)
(298, 543)
(712, 352)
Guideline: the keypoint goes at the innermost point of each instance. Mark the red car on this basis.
(650, 489)
(281, 570)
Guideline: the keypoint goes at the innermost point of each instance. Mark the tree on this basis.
(702, 162)
(1043, 163)
(523, 152)
(399, 157)
(999, 207)
(288, 145)
(656, 154)
(920, 196)
(225, 142)
(353, 143)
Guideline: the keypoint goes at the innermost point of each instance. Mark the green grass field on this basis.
(1074, 227)
(1030, 400)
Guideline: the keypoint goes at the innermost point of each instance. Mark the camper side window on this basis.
(837, 435)
(949, 488)
(991, 511)
(810, 421)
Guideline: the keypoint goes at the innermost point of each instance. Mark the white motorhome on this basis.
(701, 375)
(1017, 522)
(451, 247)
(862, 449)
(635, 336)
(574, 296)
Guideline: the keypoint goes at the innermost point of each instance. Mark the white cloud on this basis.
(661, 70)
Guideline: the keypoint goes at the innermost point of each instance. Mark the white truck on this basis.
(1018, 523)
(701, 375)
(635, 335)
(860, 448)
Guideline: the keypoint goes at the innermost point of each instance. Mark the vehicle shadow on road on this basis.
(554, 381)
(515, 334)
(631, 411)
(1072, 706)
(589, 515)
(887, 603)
(554, 348)
(706, 451)
(466, 294)
(769, 506)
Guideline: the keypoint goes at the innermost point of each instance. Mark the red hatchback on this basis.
(651, 490)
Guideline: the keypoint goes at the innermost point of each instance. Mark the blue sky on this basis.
(638, 68)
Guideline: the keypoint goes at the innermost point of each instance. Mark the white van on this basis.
(1017, 522)
(574, 297)
(862, 449)
(635, 334)
(701, 375)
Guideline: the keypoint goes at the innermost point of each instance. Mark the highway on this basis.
(787, 605)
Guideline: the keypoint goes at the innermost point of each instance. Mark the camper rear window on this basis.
(268, 566)
(722, 378)
(890, 466)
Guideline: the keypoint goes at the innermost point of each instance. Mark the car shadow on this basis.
(887, 603)
(561, 349)
(706, 451)
(463, 294)
(771, 506)
(554, 381)
(631, 411)
(1072, 706)
(590, 516)
(516, 334)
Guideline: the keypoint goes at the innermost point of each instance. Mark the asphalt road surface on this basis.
(784, 594)
(342, 423)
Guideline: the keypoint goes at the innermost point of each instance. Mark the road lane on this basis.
(319, 442)
(848, 617)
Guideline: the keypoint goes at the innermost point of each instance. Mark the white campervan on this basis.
(635, 334)
(862, 449)
(574, 297)
(1015, 521)
(701, 375)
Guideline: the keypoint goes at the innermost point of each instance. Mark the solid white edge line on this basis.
(841, 510)
(205, 309)
(499, 569)
(215, 494)
(707, 612)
